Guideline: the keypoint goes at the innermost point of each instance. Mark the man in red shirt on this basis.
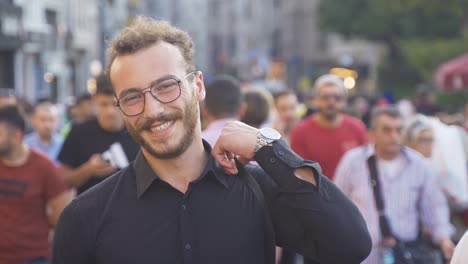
(326, 135)
(32, 195)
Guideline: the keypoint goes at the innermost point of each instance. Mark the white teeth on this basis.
(162, 127)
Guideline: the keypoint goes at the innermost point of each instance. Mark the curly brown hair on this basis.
(145, 32)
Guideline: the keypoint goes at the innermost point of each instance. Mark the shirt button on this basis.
(272, 160)
(281, 153)
(187, 246)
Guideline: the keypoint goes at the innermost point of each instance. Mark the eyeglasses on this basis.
(327, 97)
(425, 140)
(165, 91)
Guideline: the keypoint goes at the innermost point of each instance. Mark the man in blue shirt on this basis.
(45, 137)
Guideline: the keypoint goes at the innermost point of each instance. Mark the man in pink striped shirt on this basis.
(409, 189)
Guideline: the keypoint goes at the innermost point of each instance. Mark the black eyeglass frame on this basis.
(149, 89)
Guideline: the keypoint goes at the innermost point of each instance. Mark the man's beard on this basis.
(6, 150)
(189, 123)
(47, 135)
(329, 114)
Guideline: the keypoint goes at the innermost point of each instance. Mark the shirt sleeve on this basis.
(342, 177)
(319, 222)
(434, 207)
(67, 155)
(73, 243)
(54, 182)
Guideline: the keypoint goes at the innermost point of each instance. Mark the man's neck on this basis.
(17, 157)
(115, 128)
(329, 123)
(385, 155)
(45, 139)
(180, 171)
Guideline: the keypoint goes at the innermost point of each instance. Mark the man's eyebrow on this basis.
(155, 82)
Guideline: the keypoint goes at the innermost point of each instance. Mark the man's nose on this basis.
(396, 135)
(152, 106)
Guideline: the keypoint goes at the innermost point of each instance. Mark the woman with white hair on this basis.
(418, 135)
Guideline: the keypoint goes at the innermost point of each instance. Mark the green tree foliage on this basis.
(424, 56)
(419, 34)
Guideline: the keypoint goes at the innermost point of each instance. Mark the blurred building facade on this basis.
(10, 41)
(190, 15)
(309, 52)
(45, 60)
(54, 48)
(239, 36)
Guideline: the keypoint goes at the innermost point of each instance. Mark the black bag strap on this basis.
(385, 229)
(270, 241)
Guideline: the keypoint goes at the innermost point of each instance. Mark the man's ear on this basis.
(371, 135)
(315, 102)
(200, 85)
(18, 136)
(242, 110)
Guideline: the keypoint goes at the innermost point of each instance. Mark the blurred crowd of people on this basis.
(421, 154)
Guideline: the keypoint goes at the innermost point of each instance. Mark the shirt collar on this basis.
(145, 176)
(55, 139)
(219, 123)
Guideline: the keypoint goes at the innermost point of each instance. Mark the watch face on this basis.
(270, 133)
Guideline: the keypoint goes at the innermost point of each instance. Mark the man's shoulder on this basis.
(97, 196)
(353, 122)
(86, 126)
(40, 160)
(414, 156)
(356, 154)
(306, 124)
(259, 174)
(57, 139)
(105, 186)
(40, 166)
(30, 137)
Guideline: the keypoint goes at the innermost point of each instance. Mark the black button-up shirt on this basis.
(135, 217)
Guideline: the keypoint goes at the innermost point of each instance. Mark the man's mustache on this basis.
(163, 118)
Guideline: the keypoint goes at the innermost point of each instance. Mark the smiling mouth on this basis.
(162, 127)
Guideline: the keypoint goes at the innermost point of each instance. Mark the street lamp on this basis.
(349, 83)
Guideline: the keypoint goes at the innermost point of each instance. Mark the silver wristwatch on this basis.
(265, 137)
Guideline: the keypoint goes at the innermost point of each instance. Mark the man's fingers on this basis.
(229, 166)
(231, 171)
(230, 156)
(224, 158)
(243, 160)
(226, 161)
